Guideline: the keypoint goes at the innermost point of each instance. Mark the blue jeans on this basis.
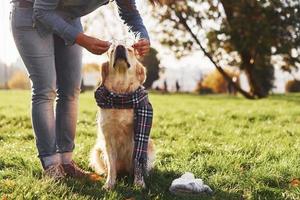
(55, 73)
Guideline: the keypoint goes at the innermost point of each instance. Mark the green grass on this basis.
(243, 149)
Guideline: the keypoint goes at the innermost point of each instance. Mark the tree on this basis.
(292, 86)
(151, 62)
(19, 80)
(91, 67)
(247, 34)
(216, 82)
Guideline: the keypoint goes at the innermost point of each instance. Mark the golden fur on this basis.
(113, 151)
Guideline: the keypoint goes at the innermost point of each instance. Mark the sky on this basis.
(186, 69)
(8, 52)
(182, 69)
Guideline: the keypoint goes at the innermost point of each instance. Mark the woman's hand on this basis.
(93, 45)
(142, 47)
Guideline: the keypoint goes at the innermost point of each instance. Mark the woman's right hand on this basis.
(93, 45)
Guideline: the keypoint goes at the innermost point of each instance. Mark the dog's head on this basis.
(123, 72)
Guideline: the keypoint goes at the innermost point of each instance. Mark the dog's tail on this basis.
(97, 160)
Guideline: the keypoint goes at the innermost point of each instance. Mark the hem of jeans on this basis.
(65, 151)
(40, 156)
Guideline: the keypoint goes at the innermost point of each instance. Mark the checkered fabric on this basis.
(143, 115)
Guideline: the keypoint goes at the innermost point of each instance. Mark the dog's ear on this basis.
(141, 72)
(104, 72)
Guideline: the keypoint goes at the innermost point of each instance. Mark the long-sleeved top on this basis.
(58, 16)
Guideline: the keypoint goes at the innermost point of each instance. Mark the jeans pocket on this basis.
(22, 18)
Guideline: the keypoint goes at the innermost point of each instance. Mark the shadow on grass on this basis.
(158, 188)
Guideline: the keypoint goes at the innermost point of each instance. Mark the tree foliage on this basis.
(151, 62)
(91, 67)
(217, 83)
(19, 80)
(292, 86)
(253, 35)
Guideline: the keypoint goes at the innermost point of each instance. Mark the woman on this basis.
(49, 37)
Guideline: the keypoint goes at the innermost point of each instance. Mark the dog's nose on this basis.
(120, 48)
(120, 52)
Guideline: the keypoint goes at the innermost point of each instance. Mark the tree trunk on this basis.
(255, 87)
(249, 68)
(248, 95)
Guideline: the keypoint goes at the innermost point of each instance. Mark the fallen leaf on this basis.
(295, 182)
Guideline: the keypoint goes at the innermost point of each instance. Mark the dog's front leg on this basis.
(138, 176)
(111, 166)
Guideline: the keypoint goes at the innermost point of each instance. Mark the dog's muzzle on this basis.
(121, 54)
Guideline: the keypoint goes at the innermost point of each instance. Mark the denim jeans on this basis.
(55, 73)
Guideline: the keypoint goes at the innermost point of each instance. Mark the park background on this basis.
(208, 59)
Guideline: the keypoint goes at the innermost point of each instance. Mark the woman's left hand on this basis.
(142, 47)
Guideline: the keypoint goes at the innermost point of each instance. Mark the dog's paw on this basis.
(109, 185)
(139, 176)
(139, 182)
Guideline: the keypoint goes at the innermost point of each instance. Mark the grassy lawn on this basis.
(242, 149)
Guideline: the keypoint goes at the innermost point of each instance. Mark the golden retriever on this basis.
(113, 152)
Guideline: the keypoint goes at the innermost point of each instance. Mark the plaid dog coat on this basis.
(143, 115)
